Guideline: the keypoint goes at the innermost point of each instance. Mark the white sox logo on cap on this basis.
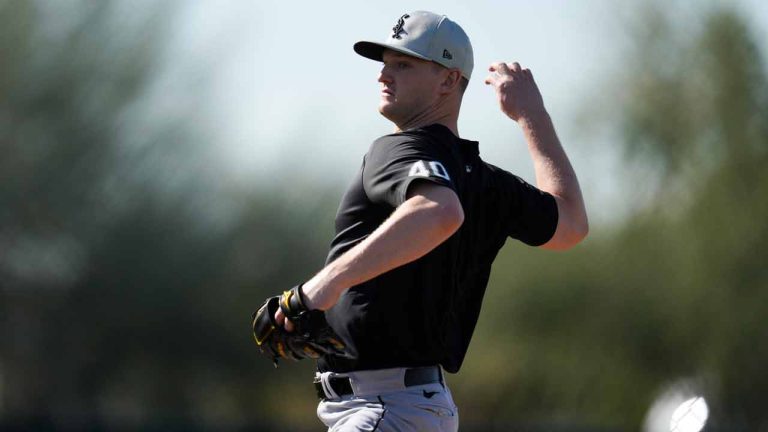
(398, 28)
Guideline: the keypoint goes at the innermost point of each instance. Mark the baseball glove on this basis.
(311, 337)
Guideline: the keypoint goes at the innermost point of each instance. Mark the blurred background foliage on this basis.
(128, 273)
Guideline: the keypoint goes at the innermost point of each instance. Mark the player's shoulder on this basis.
(494, 170)
(497, 170)
(494, 177)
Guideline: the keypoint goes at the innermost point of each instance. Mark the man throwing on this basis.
(416, 234)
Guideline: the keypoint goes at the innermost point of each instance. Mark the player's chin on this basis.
(383, 109)
(387, 109)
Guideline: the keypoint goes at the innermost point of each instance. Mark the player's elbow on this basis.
(568, 235)
(579, 226)
(577, 232)
(572, 225)
(582, 230)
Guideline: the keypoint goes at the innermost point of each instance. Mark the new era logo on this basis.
(447, 55)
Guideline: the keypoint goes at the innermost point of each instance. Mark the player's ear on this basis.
(451, 81)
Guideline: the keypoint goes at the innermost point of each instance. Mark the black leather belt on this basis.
(413, 377)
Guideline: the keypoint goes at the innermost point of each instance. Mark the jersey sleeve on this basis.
(393, 164)
(531, 214)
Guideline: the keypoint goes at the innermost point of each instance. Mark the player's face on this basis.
(410, 87)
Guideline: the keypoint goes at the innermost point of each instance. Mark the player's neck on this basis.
(449, 121)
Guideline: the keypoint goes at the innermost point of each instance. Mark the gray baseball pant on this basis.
(382, 402)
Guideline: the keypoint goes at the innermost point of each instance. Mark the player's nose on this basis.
(384, 76)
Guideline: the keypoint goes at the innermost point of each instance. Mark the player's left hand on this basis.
(519, 97)
(310, 335)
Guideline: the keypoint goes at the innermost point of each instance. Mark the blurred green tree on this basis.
(107, 264)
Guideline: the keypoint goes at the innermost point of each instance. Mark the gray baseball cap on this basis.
(427, 36)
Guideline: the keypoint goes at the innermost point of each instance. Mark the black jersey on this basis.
(424, 312)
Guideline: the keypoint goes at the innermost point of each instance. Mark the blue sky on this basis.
(287, 96)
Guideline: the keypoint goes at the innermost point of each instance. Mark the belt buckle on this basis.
(324, 387)
(319, 387)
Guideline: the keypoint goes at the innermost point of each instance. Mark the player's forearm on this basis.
(554, 173)
(413, 230)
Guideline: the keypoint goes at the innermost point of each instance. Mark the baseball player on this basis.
(416, 233)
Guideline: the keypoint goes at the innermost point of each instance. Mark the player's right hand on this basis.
(518, 95)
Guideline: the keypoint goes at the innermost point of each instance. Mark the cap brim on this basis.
(375, 50)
